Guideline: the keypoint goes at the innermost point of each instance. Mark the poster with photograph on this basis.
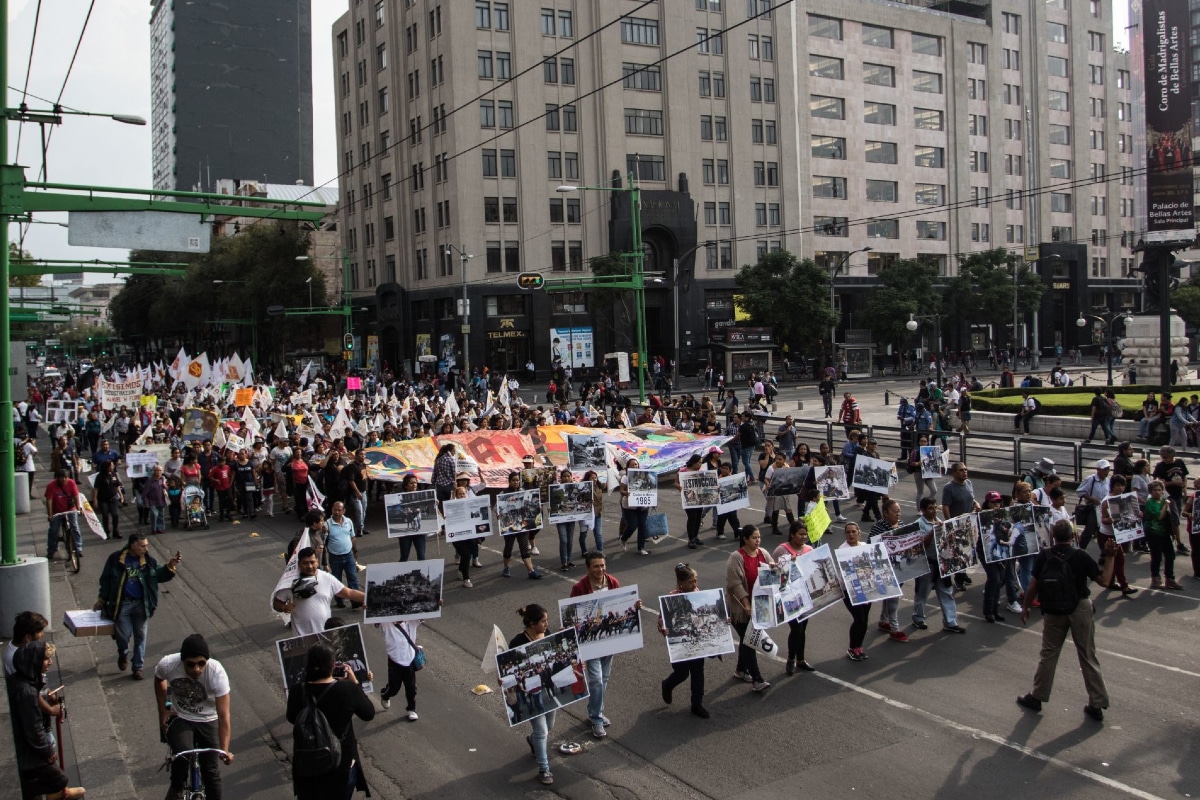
(832, 483)
(794, 598)
(906, 548)
(140, 465)
(403, 590)
(1126, 513)
(572, 347)
(539, 478)
(1043, 521)
(787, 481)
(867, 573)
(468, 518)
(700, 489)
(733, 493)
(607, 622)
(519, 511)
(819, 572)
(874, 475)
(586, 451)
(935, 462)
(348, 649)
(412, 513)
(955, 543)
(697, 624)
(571, 502)
(766, 607)
(541, 676)
(199, 425)
(1007, 533)
(643, 488)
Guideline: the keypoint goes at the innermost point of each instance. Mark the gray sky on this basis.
(112, 75)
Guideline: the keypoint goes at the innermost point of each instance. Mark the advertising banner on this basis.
(572, 347)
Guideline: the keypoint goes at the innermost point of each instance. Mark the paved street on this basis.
(931, 718)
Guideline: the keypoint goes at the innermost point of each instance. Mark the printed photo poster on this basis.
(586, 452)
(935, 462)
(906, 548)
(140, 465)
(787, 481)
(1007, 533)
(697, 624)
(955, 543)
(519, 511)
(347, 645)
(571, 502)
(541, 676)
(643, 488)
(699, 489)
(794, 598)
(1043, 521)
(867, 573)
(819, 572)
(831, 482)
(874, 475)
(412, 513)
(607, 622)
(1126, 513)
(468, 518)
(766, 608)
(733, 492)
(199, 425)
(397, 591)
(539, 478)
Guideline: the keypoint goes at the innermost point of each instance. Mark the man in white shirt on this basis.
(1091, 492)
(311, 595)
(199, 716)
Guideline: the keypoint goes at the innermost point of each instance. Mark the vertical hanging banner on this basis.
(1165, 44)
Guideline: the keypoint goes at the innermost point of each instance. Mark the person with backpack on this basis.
(1101, 417)
(197, 715)
(1060, 584)
(1030, 407)
(325, 763)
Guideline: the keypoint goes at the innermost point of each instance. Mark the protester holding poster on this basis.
(596, 525)
(633, 517)
(1110, 513)
(536, 622)
(928, 523)
(795, 546)
(860, 615)
(694, 464)
(738, 497)
(517, 534)
(741, 573)
(685, 581)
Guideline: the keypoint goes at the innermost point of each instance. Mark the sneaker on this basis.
(534, 575)
(605, 720)
(655, 539)
(533, 551)
(598, 730)
(475, 562)
(953, 629)
(1095, 712)
(840, 518)
(506, 573)
(643, 552)
(1014, 607)
(898, 636)
(856, 654)
(701, 712)
(883, 626)
(412, 716)
(760, 686)
(385, 702)
(742, 676)
(545, 777)
(1030, 702)
(921, 626)
(467, 584)
(666, 693)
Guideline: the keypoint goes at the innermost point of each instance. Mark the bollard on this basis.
(21, 490)
(887, 397)
(799, 405)
(1084, 379)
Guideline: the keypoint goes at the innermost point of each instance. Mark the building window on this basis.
(980, 232)
(824, 27)
(512, 257)
(882, 191)
(828, 147)
(1056, 66)
(493, 257)
(883, 229)
(724, 215)
(928, 229)
(880, 152)
(648, 168)
(643, 122)
(923, 44)
(926, 156)
(829, 187)
(1059, 134)
(1060, 201)
(976, 89)
(760, 215)
(508, 163)
(710, 213)
(487, 114)
(504, 113)
(830, 226)
(929, 119)
(827, 107)
(930, 194)
(639, 31)
(826, 67)
(879, 74)
(873, 36)
(977, 53)
(927, 82)
(879, 113)
(1096, 74)
(977, 125)
(491, 209)
(1012, 59)
(648, 77)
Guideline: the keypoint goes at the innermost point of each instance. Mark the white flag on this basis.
(496, 644)
(283, 587)
(316, 500)
(304, 375)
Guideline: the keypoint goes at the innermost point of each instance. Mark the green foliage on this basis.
(1186, 302)
(789, 295)
(907, 288)
(18, 256)
(1069, 401)
(983, 290)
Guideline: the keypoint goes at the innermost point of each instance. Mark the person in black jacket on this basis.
(340, 700)
(37, 754)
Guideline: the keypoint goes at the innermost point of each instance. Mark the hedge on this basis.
(1069, 401)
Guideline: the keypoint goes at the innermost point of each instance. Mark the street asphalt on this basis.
(931, 718)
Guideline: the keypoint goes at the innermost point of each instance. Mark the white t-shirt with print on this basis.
(311, 613)
(193, 699)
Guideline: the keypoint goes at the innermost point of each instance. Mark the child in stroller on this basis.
(193, 504)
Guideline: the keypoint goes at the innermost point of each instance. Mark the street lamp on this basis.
(914, 322)
(638, 275)
(833, 271)
(1106, 318)
(54, 116)
(464, 309)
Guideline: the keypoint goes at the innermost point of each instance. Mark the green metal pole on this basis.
(8, 499)
(639, 280)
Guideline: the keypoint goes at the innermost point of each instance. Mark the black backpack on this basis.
(1057, 591)
(316, 750)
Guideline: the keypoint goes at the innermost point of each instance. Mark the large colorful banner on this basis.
(391, 462)
(494, 454)
(120, 394)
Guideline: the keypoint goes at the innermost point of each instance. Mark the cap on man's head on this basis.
(194, 646)
(992, 497)
(1104, 463)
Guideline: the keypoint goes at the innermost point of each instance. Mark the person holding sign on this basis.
(795, 546)
(520, 539)
(741, 573)
(694, 515)
(536, 622)
(685, 581)
(633, 518)
(597, 524)
(859, 615)
(930, 580)
(1116, 486)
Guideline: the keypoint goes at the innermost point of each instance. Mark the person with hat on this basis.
(197, 687)
(309, 597)
(129, 596)
(1091, 493)
(1037, 475)
(999, 574)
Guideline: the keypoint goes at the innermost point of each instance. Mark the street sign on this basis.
(53, 342)
(139, 230)
(1031, 253)
(466, 328)
(276, 310)
(530, 280)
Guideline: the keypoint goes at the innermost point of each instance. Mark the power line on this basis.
(37, 16)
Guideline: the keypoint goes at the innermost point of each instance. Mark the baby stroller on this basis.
(194, 515)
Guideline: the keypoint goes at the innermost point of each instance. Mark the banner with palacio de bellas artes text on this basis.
(1165, 29)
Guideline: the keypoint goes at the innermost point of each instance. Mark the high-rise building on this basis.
(919, 131)
(231, 92)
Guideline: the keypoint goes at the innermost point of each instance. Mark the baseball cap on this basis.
(1104, 463)
(992, 497)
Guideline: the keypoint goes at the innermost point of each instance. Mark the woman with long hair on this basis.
(741, 573)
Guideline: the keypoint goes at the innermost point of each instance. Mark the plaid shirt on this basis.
(443, 471)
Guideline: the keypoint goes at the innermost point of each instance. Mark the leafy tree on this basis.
(617, 303)
(18, 256)
(1186, 302)
(983, 290)
(907, 288)
(790, 296)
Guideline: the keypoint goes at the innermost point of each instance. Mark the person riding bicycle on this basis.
(62, 507)
(198, 716)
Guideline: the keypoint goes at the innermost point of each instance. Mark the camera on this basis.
(340, 671)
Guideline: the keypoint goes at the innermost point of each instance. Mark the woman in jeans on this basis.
(536, 622)
(154, 500)
(597, 525)
(566, 530)
(859, 615)
(741, 573)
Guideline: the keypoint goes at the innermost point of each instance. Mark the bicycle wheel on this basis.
(74, 558)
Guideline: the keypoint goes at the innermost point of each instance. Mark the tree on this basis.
(982, 292)
(1186, 302)
(788, 295)
(617, 303)
(18, 256)
(907, 288)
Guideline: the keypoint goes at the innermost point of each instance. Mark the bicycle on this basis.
(194, 788)
(70, 524)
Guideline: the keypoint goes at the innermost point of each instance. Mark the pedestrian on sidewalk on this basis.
(1060, 582)
(129, 596)
(197, 687)
(30, 712)
(685, 581)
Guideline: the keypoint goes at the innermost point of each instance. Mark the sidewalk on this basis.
(94, 758)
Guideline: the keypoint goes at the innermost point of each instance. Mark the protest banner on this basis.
(120, 394)
(817, 520)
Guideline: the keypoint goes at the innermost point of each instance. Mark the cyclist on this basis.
(62, 506)
(198, 716)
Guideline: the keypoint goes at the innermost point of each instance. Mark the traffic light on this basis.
(348, 341)
(530, 280)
